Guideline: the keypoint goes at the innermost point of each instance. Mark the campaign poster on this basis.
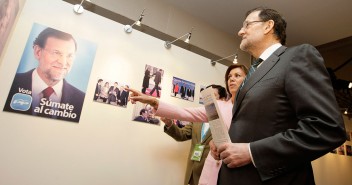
(52, 77)
(182, 89)
(144, 113)
(152, 81)
(111, 92)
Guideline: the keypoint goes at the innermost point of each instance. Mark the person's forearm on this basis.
(194, 114)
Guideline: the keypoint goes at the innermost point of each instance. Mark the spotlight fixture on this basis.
(234, 60)
(167, 44)
(78, 8)
(128, 28)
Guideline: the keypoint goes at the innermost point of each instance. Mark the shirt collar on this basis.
(270, 50)
(38, 85)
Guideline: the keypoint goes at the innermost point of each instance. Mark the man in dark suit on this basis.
(124, 96)
(114, 94)
(157, 80)
(143, 116)
(97, 89)
(43, 91)
(285, 114)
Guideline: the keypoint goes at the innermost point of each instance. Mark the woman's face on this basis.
(235, 79)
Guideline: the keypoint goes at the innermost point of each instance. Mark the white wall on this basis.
(105, 147)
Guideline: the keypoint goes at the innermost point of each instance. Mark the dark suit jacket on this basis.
(157, 78)
(191, 131)
(70, 95)
(288, 113)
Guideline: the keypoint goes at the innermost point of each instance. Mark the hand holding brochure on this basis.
(218, 128)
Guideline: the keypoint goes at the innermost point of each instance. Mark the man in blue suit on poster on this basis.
(43, 91)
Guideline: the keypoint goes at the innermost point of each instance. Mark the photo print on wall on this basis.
(52, 77)
(202, 87)
(111, 92)
(348, 150)
(179, 123)
(182, 89)
(341, 150)
(152, 81)
(8, 13)
(144, 113)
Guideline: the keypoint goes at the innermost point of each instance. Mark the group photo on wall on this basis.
(182, 89)
(111, 92)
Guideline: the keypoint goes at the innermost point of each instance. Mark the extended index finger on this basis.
(134, 91)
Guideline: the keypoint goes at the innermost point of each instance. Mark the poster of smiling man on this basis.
(52, 76)
(182, 89)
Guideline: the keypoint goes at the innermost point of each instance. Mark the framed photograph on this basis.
(111, 92)
(144, 113)
(341, 150)
(202, 87)
(182, 89)
(152, 79)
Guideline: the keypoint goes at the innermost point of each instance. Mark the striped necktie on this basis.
(250, 72)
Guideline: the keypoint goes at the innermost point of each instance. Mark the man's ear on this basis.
(37, 51)
(269, 26)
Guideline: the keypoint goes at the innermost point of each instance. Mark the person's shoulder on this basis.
(27, 73)
(302, 46)
(72, 89)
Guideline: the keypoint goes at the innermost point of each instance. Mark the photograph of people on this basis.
(143, 112)
(182, 89)
(112, 93)
(348, 150)
(341, 150)
(8, 13)
(52, 76)
(152, 81)
(97, 89)
(202, 87)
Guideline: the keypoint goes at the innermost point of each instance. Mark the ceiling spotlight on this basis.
(128, 28)
(234, 60)
(78, 8)
(167, 44)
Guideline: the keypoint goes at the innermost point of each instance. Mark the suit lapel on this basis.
(264, 68)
